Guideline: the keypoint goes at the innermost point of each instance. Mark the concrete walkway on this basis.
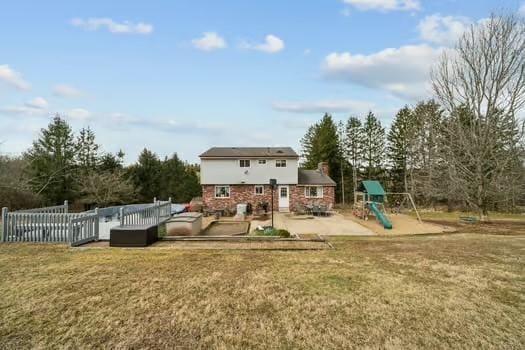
(335, 225)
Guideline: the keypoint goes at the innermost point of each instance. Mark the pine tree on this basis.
(52, 165)
(179, 180)
(146, 176)
(401, 140)
(373, 147)
(429, 177)
(321, 144)
(354, 148)
(112, 162)
(87, 150)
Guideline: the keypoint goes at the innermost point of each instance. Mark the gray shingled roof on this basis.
(314, 177)
(236, 152)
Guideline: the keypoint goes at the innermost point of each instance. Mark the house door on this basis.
(284, 197)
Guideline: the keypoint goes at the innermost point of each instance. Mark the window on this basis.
(244, 163)
(280, 163)
(313, 191)
(222, 191)
(262, 161)
(259, 189)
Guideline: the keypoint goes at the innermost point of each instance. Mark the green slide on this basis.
(380, 216)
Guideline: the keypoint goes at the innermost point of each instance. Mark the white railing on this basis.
(55, 209)
(151, 215)
(84, 229)
(36, 227)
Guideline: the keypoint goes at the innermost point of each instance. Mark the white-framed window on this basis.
(313, 191)
(262, 161)
(259, 189)
(280, 163)
(244, 163)
(222, 191)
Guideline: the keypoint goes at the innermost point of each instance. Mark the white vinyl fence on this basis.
(154, 214)
(55, 224)
(36, 227)
(84, 229)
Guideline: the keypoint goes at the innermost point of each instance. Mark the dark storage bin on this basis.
(133, 236)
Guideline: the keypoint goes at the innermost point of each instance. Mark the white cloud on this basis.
(385, 5)
(23, 111)
(443, 30)
(209, 41)
(13, 78)
(37, 102)
(79, 114)
(328, 106)
(403, 71)
(125, 27)
(272, 44)
(68, 91)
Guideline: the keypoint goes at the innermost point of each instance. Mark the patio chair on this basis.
(308, 209)
(322, 210)
(330, 210)
(316, 211)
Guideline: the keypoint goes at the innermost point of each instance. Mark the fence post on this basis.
(121, 214)
(4, 223)
(169, 200)
(158, 213)
(154, 199)
(66, 206)
(70, 232)
(97, 224)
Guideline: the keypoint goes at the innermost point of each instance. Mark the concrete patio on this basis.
(335, 225)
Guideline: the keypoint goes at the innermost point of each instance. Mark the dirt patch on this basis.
(226, 228)
(401, 225)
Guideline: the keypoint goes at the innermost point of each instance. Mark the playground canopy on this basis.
(372, 187)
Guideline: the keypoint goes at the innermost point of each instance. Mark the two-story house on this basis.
(234, 175)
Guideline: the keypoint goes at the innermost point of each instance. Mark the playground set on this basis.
(370, 198)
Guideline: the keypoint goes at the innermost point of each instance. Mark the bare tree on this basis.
(482, 86)
(106, 188)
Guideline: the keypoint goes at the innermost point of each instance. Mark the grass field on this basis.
(461, 290)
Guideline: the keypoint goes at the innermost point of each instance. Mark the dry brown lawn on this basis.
(463, 290)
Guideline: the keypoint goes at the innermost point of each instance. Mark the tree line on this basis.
(465, 148)
(61, 165)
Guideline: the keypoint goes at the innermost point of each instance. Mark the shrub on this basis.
(273, 232)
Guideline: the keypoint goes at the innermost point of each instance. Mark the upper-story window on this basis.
(262, 161)
(244, 163)
(280, 163)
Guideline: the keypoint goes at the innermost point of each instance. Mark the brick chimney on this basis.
(324, 168)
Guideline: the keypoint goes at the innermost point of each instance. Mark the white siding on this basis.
(228, 171)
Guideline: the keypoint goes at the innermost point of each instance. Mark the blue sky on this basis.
(181, 76)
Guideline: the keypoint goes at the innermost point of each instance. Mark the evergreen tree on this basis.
(373, 147)
(146, 176)
(321, 144)
(401, 139)
(112, 162)
(52, 165)
(87, 150)
(179, 180)
(429, 177)
(354, 148)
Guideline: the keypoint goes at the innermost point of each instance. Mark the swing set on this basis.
(371, 197)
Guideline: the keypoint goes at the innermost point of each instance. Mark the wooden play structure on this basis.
(370, 197)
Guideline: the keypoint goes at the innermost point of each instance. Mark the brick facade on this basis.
(246, 194)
